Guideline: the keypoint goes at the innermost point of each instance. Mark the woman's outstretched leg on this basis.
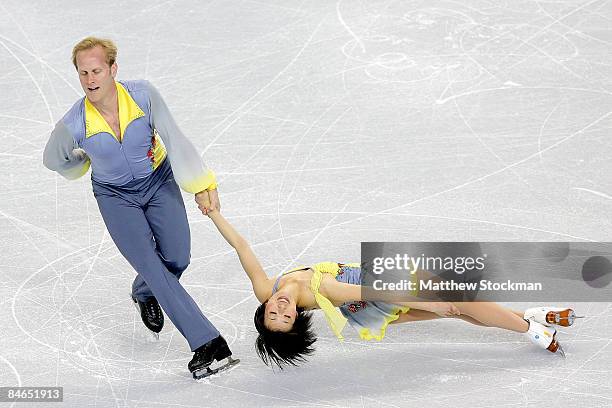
(493, 315)
(416, 315)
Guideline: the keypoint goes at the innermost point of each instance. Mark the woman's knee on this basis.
(464, 307)
(470, 307)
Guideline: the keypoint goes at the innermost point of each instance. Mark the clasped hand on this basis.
(208, 200)
(444, 309)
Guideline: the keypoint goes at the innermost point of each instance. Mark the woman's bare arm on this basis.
(261, 284)
(339, 292)
(444, 309)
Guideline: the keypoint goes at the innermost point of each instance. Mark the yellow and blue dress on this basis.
(369, 318)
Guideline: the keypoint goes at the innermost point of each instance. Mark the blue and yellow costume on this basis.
(136, 188)
(369, 318)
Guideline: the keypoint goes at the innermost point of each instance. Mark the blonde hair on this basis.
(109, 47)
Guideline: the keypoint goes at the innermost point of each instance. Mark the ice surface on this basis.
(328, 123)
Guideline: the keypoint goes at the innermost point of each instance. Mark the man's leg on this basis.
(165, 212)
(130, 230)
(167, 217)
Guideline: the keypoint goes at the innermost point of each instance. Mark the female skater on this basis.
(283, 321)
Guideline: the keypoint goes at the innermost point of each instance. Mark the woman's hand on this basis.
(443, 309)
(213, 197)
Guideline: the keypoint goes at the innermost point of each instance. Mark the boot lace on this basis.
(152, 308)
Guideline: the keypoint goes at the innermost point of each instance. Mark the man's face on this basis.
(96, 76)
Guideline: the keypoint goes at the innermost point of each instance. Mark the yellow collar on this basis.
(128, 111)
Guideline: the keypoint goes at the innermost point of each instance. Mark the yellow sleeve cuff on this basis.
(77, 172)
(207, 181)
(213, 185)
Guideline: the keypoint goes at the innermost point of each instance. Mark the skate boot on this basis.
(544, 337)
(201, 365)
(151, 314)
(548, 316)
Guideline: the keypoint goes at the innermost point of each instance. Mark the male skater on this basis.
(125, 132)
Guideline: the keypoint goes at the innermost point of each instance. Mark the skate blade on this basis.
(564, 318)
(153, 337)
(560, 352)
(205, 373)
(148, 336)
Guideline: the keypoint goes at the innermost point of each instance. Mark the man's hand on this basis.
(79, 154)
(208, 200)
(203, 201)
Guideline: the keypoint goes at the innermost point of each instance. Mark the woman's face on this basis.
(280, 313)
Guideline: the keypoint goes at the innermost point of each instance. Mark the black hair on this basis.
(284, 348)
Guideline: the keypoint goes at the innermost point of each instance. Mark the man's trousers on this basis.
(146, 219)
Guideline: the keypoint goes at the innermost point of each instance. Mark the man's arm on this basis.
(63, 155)
(189, 169)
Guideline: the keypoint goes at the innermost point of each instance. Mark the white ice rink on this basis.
(328, 123)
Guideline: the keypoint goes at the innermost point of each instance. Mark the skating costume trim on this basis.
(128, 112)
(77, 171)
(378, 334)
(157, 152)
(334, 318)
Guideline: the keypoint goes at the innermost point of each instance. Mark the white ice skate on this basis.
(548, 315)
(544, 337)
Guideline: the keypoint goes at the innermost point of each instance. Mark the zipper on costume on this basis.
(126, 160)
(121, 147)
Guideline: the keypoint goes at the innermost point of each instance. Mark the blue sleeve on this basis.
(190, 171)
(63, 155)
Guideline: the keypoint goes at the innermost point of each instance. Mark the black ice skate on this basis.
(201, 365)
(151, 315)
